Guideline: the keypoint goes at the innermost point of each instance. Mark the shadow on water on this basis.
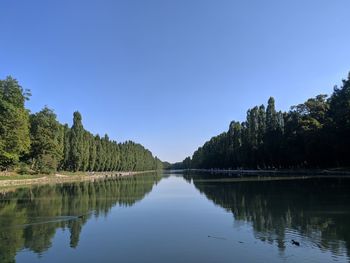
(29, 217)
(313, 211)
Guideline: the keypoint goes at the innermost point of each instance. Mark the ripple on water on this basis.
(314, 241)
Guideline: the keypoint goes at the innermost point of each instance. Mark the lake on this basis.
(174, 217)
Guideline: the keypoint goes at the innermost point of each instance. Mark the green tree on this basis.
(99, 153)
(272, 134)
(92, 153)
(76, 142)
(14, 122)
(65, 163)
(339, 113)
(85, 151)
(46, 141)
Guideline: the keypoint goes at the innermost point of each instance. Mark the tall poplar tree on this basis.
(65, 163)
(76, 142)
(92, 153)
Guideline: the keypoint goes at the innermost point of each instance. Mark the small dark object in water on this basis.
(295, 242)
(222, 238)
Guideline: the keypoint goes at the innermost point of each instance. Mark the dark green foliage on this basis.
(339, 113)
(23, 168)
(313, 134)
(167, 165)
(105, 146)
(14, 123)
(76, 143)
(48, 146)
(66, 147)
(86, 151)
(46, 141)
(187, 163)
(99, 154)
(134, 157)
(93, 153)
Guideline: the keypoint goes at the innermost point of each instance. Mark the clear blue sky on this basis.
(171, 74)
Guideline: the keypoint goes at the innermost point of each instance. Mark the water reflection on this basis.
(174, 223)
(29, 217)
(315, 211)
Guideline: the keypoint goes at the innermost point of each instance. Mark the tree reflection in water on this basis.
(29, 217)
(315, 210)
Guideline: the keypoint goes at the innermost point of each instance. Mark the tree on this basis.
(85, 151)
(235, 144)
(92, 153)
(76, 143)
(65, 163)
(187, 163)
(272, 134)
(312, 134)
(46, 141)
(99, 153)
(14, 123)
(49, 145)
(339, 113)
(309, 127)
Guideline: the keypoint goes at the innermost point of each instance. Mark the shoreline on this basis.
(307, 172)
(66, 178)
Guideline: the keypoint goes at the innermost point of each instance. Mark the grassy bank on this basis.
(13, 179)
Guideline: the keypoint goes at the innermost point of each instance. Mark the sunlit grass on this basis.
(19, 176)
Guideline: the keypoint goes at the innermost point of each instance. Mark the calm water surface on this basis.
(178, 218)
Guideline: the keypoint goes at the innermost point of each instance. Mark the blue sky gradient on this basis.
(171, 74)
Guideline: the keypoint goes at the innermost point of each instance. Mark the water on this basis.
(178, 218)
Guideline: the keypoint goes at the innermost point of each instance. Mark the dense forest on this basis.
(38, 142)
(314, 134)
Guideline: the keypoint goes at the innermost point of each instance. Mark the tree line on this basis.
(313, 134)
(38, 142)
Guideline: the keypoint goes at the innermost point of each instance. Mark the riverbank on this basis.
(25, 180)
(279, 172)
